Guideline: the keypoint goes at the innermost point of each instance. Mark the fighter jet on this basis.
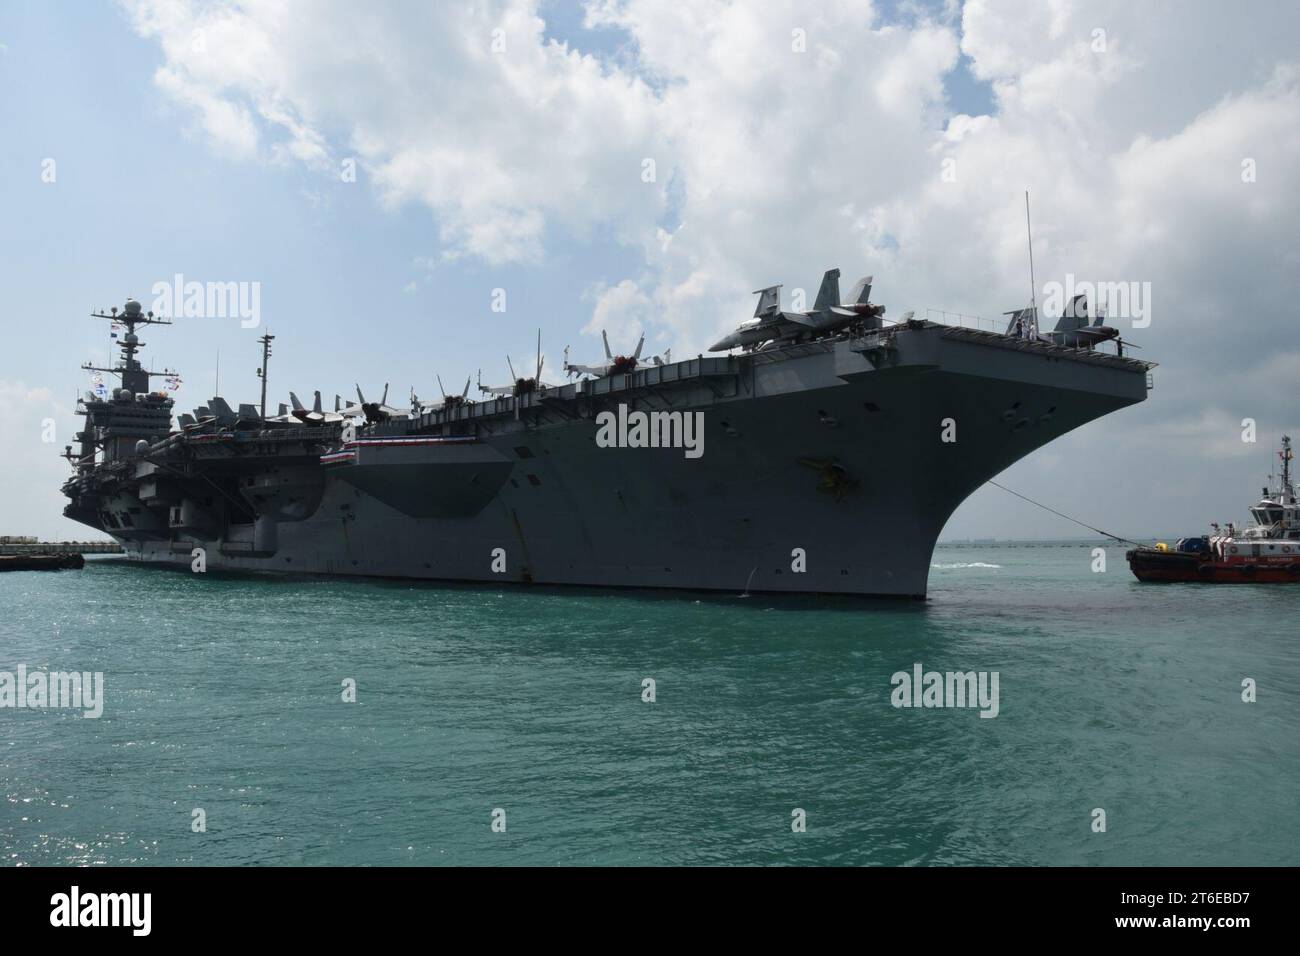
(448, 401)
(520, 385)
(249, 417)
(314, 415)
(612, 364)
(220, 409)
(198, 421)
(1073, 330)
(770, 325)
(283, 415)
(374, 412)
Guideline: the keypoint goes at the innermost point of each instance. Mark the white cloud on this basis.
(623, 311)
(497, 144)
(230, 126)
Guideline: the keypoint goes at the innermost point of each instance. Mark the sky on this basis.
(643, 166)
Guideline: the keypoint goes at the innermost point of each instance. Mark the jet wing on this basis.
(1097, 333)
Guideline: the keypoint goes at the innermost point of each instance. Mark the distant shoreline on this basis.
(1043, 542)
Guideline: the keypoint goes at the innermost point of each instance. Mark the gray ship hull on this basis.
(825, 470)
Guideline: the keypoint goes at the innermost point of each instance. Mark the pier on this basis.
(30, 546)
(42, 562)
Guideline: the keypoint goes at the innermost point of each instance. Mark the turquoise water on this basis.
(224, 693)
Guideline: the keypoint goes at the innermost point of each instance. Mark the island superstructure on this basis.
(825, 458)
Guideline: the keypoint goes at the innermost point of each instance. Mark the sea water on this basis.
(252, 719)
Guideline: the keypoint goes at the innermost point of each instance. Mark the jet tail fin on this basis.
(829, 294)
(769, 302)
(221, 409)
(861, 291)
(297, 405)
(1075, 315)
(609, 356)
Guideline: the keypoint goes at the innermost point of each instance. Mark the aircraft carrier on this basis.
(824, 457)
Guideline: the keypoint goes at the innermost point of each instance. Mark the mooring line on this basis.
(1063, 515)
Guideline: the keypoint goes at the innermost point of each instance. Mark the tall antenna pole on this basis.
(1033, 286)
(216, 385)
(261, 372)
(1286, 465)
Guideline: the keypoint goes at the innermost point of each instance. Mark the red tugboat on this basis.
(1269, 552)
